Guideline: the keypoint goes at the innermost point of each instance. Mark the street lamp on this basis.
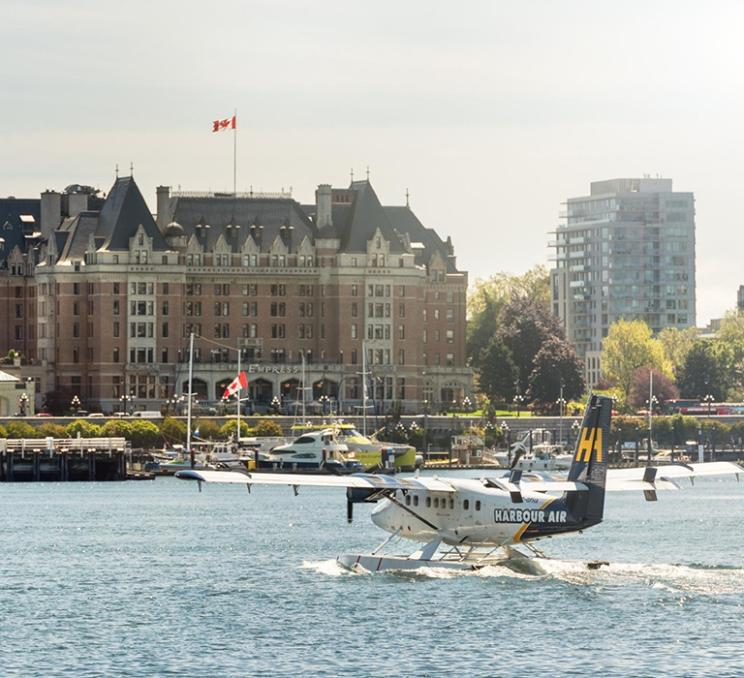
(709, 399)
(518, 400)
(276, 404)
(561, 402)
(505, 433)
(127, 402)
(23, 405)
(575, 428)
(75, 404)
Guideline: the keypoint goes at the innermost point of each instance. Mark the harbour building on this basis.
(627, 250)
(112, 293)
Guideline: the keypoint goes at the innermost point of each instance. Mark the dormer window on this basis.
(141, 240)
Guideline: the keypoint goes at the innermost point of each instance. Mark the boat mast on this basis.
(189, 451)
(302, 353)
(364, 388)
(237, 434)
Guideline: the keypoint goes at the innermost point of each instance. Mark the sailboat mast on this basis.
(303, 387)
(364, 388)
(189, 451)
(237, 435)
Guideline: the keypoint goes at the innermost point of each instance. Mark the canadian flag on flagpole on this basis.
(226, 123)
(240, 382)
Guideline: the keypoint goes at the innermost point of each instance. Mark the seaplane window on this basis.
(436, 502)
(415, 500)
(477, 505)
(466, 504)
(408, 500)
(452, 502)
(428, 502)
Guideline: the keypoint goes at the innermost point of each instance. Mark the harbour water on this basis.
(156, 579)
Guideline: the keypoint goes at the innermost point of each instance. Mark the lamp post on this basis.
(575, 428)
(127, 403)
(426, 429)
(561, 402)
(75, 404)
(23, 405)
(651, 403)
(505, 436)
(276, 404)
(518, 400)
(709, 399)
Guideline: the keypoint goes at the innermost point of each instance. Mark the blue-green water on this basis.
(148, 579)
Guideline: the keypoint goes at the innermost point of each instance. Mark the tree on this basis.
(664, 388)
(706, 370)
(677, 344)
(498, 373)
(526, 325)
(629, 345)
(488, 299)
(556, 364)
(267, 428)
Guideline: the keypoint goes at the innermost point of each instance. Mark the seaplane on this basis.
(471, 523)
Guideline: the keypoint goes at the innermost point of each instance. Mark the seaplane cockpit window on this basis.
(477, 505)
(415, 500)
(428, 502)
(408, 500)
(466, 504)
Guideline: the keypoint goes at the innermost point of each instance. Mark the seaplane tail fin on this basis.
(589, 464)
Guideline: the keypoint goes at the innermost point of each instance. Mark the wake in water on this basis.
(685, 579)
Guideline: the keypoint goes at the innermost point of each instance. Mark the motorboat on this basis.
(373, 453)
(319, 450)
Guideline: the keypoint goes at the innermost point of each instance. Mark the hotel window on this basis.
(401, 356)
(354, 331)
(278, 331)
(450, 360)
(354, 309)
(401, 332)
(450, 315)
(116, 328)
(354, 290)
(436, 314)
(450, 336)
(402, 311)
(278, 290)
(116, 354)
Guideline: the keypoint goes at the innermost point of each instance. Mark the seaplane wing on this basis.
(649, 478)
(366, 481)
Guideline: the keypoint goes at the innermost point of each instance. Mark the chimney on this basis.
(163, 204)
(76, 203)
(51, 212)
(323, 206)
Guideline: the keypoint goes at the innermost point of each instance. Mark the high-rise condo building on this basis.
(627, 250)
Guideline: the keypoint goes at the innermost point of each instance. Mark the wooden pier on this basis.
(63, 459)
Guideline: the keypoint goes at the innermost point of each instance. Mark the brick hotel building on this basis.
(100, 297)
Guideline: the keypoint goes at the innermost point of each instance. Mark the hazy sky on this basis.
(491, 113)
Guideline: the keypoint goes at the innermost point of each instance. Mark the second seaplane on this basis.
(468, 523)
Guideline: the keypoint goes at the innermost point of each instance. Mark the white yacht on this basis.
(313, 450)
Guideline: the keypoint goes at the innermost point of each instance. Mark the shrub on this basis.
(3, 432)
(228, 429)
(20, 429)
(84, 428)
(173, 430)
(117, 428)
(208, 429)
(268, 428)
(49, 430)
(145, 434)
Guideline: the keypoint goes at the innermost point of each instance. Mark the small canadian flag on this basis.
(226, 123)
(240, 382)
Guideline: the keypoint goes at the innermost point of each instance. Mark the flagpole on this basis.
(235, 154)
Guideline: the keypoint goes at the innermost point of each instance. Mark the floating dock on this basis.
(64, 459)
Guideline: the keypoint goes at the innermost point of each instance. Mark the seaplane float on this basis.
(467, 524)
